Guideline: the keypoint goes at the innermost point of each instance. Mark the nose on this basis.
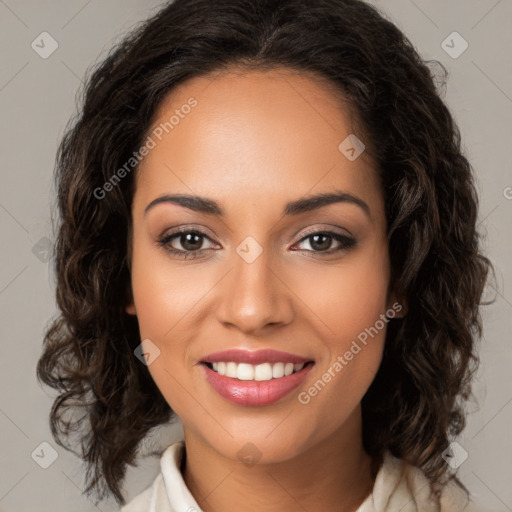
(254, 297)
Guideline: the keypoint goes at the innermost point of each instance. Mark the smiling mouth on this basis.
(260, 372)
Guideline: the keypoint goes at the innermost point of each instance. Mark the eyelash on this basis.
(345, 241)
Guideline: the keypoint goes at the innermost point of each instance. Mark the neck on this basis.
(335, 474)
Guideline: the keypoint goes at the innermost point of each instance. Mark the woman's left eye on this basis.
(321, 242)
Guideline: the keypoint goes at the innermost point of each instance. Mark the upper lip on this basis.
(254, 357)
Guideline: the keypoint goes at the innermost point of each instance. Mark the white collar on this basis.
(398, 487)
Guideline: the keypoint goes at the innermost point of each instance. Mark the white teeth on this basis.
(288, 369)
(278, 370)
(245, 372)
(231, 370)
(263, 371)
(260, 372)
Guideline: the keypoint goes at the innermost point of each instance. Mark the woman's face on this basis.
(259, 266)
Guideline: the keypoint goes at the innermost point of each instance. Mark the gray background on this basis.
(37, 97)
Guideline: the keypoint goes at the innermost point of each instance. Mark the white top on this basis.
(398, 487)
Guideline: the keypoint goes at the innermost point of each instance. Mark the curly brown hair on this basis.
(415, 405)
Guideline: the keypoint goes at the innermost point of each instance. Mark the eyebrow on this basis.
(296, 207)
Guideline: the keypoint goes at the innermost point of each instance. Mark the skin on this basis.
(255, 141)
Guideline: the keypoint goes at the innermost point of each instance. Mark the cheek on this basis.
(168, 304)
(349, 297)
(339, 386)
(162, 316)
(163, 296)
(350, 302)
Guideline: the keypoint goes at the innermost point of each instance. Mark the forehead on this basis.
(253, 133)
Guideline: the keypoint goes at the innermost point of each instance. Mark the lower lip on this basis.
(255, 393)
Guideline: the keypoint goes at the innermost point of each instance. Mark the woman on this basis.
(267, 230)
